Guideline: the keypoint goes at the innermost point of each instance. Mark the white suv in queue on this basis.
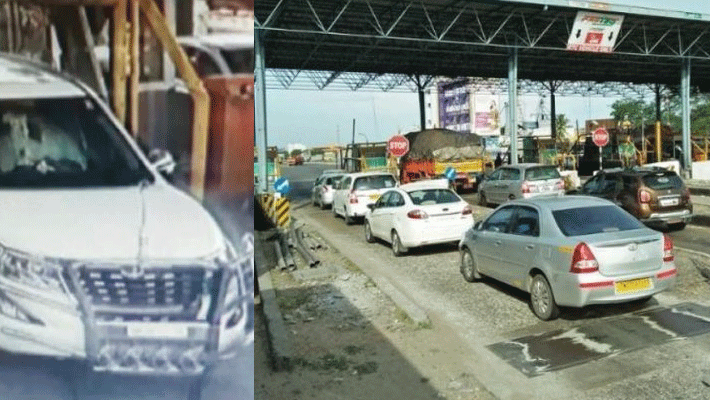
(101, 259)
(356, 190)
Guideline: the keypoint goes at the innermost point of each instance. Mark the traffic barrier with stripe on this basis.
(277, 209)
(282, 217)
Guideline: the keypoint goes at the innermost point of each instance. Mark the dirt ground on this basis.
(350, 341)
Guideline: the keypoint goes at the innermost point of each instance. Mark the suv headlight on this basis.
(32, 271)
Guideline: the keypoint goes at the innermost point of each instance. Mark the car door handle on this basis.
(530, 246)
(497, 243)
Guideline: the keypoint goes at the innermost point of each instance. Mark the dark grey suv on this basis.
(653, 195)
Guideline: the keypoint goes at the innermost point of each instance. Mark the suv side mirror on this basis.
(372, 206)
(163, 161)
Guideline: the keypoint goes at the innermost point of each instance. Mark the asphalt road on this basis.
(658, 349)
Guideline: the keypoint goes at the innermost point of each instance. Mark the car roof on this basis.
(24, 79)
(563, 202)
(426, 184)
(359, 174)
(523, 166)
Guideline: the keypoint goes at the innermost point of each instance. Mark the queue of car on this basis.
(589, 246)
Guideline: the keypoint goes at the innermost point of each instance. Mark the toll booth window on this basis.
(203, 62)
(240, 61)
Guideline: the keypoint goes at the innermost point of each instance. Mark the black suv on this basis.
(653, 195)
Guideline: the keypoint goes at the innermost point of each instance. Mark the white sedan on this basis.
(418, 214)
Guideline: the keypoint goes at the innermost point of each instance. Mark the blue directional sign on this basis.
(450, 173)
(282, 186)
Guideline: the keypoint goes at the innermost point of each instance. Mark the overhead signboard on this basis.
(594, 32)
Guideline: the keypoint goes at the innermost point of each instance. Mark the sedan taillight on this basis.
(353, 197)
(467, 210)
(417, 214)
(560, 185)
(667, 248)
(583, 260)
(644, 196)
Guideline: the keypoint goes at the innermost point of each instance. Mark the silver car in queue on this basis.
(569, 251)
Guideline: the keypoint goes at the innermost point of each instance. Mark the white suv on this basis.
(101, 258)
(355, 191)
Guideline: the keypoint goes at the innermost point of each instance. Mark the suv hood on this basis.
(105, 223)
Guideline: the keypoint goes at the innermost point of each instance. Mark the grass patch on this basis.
(402, 316)
(369, 367)
(293, 300)
(325, 363)
(352, 349)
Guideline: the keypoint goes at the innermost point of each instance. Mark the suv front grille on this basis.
(174, 293)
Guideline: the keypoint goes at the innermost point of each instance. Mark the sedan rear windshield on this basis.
(433, 196)
(663, 181)
(374, 182)
(591, 220)
(541, 173)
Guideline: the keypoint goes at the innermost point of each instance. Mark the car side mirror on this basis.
(163, 161)
(477, 226)
(372, 206)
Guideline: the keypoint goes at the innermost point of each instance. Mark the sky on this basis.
(318, 118)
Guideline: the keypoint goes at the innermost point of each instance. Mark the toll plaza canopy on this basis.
(475, 38)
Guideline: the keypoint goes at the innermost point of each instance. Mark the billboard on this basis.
(594, 32)
(454, 108)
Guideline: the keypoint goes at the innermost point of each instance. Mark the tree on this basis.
(636, 110)
(561, 124)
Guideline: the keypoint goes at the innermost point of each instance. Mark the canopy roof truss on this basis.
(385, 43)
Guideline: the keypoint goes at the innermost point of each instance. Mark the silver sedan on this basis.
(569, 251)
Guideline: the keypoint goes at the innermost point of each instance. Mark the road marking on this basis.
(695, 252)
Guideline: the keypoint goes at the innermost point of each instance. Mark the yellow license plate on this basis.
(633, 285)
(374, 196)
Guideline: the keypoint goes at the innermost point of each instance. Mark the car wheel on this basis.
(348, 219)
(542, 300)
(322, 205)
(468, 266)
(482, 201)
(335, 213)
(397, 247)
(368, 233)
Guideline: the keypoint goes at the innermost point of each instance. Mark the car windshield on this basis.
(597, 219)
(63, 142)
(374, 182)
(541, 173)
(432, 196)
(332, 180)
(663, 181)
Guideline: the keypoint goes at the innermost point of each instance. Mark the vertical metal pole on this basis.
(118, 58)
(512, 124)
(659, 155)
(553, 113)
(685, 99)
(420, 91)
(133, 94)
(260, 108)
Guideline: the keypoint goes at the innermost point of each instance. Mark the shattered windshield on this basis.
(63, 142)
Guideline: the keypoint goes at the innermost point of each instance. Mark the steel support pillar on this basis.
(260, 108)
(685, 112)
(422, 116)
(512, 123)
(553, 113)
(659, 149)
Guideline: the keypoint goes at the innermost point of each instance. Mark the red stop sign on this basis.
(398, 145)
(600, 137)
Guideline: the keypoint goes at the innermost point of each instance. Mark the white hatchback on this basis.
(418, 214)
(356, 190)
